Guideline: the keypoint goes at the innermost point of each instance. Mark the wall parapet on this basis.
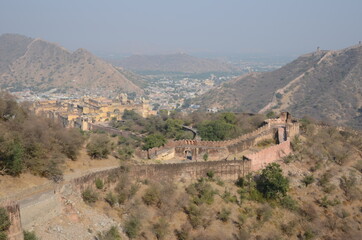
(285, 120)
(268, 155)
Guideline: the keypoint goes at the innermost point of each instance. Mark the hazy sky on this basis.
(193, 26)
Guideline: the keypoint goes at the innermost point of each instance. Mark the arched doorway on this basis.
(188, 155)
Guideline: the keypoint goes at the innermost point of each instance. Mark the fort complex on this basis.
(83, 112)
(281, 130)
(45, 202)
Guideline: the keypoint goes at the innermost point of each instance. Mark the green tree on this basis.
(12, 157)
(173, 127)
(272, 184)
(228, 117)
(153, 140)
(216, 130)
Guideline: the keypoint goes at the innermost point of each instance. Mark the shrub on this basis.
(99, 146)
(358, 166)
(99, 183)
(224, 215)
(4, 220)
(288, 228)
(264, 213)
(111, 199)
(198, 216)
(324, 183)
(265, 142)
(89, 196)
(160, 229)
(288, 203)
(3, 236)
(325, 202)
(307, 180)
(125, 153)
(183, 233)
(210, 174)
(122, 197)
(227, 197)
(205, 156)
(152, 196)
(272, 184)
(30, 236)
(111, 234)
(132, 227)
(201, 192)
(348, 185)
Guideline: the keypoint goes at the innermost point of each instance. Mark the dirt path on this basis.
(26, 184)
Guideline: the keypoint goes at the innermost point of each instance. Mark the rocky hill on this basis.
(40, 65)
(326, 85)
(174, 63)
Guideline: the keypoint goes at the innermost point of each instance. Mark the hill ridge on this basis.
(326, 85)
(44, 65)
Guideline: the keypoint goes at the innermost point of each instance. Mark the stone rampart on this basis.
(222, 149)
(44, 202)
(43, 206)
(262, 158)
(110, 130)
(15, 231)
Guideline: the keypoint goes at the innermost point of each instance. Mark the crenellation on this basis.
(221, 149)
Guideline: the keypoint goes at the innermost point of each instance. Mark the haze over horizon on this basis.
(280, 27)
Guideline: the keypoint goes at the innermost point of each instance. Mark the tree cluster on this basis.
(33, 143)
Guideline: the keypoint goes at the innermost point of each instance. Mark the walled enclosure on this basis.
(280, 128)
(44, 202)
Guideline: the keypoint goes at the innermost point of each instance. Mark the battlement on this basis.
(239, 144)
(268, 155)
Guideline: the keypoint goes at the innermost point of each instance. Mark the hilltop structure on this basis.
(83, 112)
(281, 129)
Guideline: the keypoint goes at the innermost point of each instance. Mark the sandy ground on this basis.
(10, 186)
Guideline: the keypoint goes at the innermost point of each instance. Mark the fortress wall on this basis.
(210, 144)
(44, 202)
(226, 170)
(109, 130)
(246, 144)
(214, 153)
(233, 146)
(15, 231)
(293, 130)
(260, 159)
(42, 206)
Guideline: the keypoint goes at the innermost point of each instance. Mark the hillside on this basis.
(175, 63)
(325, 85)
(41, 65)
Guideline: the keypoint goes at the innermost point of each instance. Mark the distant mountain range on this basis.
(174, 63)
(326, 85)
(40, 65)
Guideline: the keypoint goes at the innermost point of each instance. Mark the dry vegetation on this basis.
(320, 199)
(325, 85)
(32, 143)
